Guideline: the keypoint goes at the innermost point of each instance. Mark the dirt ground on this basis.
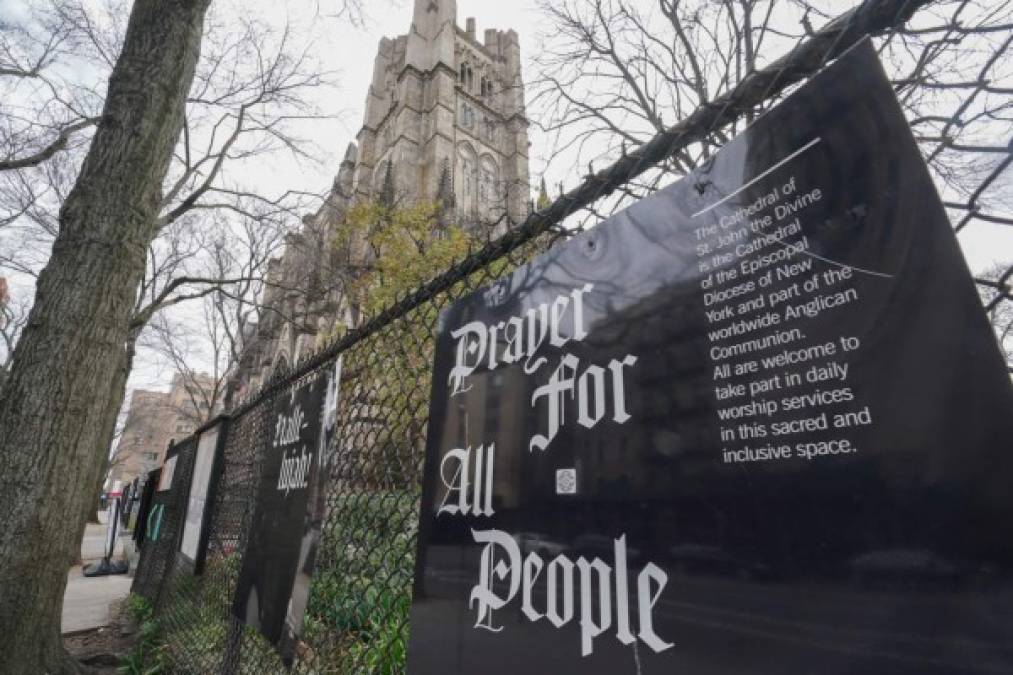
(103, 649)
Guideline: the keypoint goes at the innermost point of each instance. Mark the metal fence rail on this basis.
(358, 607)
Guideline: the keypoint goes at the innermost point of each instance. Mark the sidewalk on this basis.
(86, 601)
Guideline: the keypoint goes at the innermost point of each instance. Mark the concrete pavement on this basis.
(86, 601)
(94, 543)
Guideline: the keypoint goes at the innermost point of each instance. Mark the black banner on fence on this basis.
(756, 422)
(144, 506)
(278, 562)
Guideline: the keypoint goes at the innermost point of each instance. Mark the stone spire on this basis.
(445, 194)
(346, 173)
(543, 196)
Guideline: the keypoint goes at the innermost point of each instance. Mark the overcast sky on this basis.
(349, 50)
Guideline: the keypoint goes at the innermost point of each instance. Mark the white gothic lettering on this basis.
(599, 585)
(593, 592)
(288, 428)
(589, 391)
(518, 338)
(475, 497)
(296, 462)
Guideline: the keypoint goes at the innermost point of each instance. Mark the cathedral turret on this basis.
(431, 38)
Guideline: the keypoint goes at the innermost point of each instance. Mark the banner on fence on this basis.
(277, 565)
(144, 506)
(168, 469)
(756, 418)
(206, 468)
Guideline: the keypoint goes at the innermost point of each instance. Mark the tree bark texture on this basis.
(58, 406)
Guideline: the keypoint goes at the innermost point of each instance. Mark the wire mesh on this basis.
(361, 590)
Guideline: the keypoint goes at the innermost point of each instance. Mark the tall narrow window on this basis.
(487, 177)
(467, 180)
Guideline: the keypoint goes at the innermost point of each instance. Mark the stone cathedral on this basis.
(444, 121)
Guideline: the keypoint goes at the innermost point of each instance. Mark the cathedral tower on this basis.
(443, 103)
(444, 121)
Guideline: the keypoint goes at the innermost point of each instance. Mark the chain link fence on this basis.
(357, 616)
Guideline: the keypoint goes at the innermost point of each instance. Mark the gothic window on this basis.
(488, 129)
(280, 364)
(467, 179)
(467, 76)
(467, 115)
(487, 187)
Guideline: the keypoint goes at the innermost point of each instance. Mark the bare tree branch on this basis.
(58, 144)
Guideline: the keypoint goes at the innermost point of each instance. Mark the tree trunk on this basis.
(115, 403)
(113, 409)
(58, 405)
